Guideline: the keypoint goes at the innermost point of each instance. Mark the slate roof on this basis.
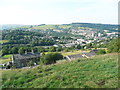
(95, 50)
(25, 56)
(90, 54)
(75, 56)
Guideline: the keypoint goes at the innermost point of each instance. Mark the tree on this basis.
(52, 49)
(78, 46)
(51, 58)
(41, 49)
(35, 49)
(4, 52)
(101, 51)
(114, 45)
(14, 50)
(59, 49)
(30, 63)
(21, 50)
(42, 59)
(89, 45)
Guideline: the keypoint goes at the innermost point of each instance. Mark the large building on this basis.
(23, 60)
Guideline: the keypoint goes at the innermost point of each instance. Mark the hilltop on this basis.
(100, 71)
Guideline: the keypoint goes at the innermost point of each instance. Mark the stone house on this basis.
(22, 60)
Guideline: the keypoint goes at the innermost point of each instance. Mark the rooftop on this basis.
(25, 56)
(75, 56)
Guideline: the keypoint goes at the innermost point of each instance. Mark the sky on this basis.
(34, 12)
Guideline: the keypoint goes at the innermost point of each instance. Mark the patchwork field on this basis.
(96, 72)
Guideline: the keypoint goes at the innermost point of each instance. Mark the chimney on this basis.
(25, 52)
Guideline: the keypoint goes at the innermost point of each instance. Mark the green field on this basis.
(44, 27)
(3, 41)
(73, 52)
(5, 59)
(70, 52)
(7, 56)
(96, 72)
(2, 61)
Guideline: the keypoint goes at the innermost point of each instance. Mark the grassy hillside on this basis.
(96, 72)
(44, 27)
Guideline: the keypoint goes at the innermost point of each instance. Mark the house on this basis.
(22, 60)
(91, 53)
(69, 44)
(94, 50)
(87, 55)
(72, 57)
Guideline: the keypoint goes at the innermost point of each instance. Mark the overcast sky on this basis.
(58, 11)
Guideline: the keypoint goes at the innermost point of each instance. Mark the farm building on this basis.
(22, 60)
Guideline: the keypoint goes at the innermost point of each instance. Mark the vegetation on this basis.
(50, 58)
(114, 45)
(73, 52)
(3, 41)
(2, 61)
(101, 51)
(7, 56)
(96, 72)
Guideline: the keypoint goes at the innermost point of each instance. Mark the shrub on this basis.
(101, 51)
(51, 58)
(114, 46)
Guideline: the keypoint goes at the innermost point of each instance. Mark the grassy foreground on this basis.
(96, 72)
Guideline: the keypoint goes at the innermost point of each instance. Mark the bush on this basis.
(51, 58)
(114, 45)
(101, 51)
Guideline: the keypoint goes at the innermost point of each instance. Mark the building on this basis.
(90, 54)
(99, 34)
(87, 55)
(23, 60)
(72, 57)
(69, 44)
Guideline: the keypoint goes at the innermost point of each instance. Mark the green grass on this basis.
(4, 61)
(7, 56)
(3, 41)
(72, 52)
(44, 27)
(82, 73)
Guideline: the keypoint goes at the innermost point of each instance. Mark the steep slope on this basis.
(96, 72)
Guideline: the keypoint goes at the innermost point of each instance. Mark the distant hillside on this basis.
(63, 26)
(11, 26)
(79, 26)
(95, 72)
(96, 26)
